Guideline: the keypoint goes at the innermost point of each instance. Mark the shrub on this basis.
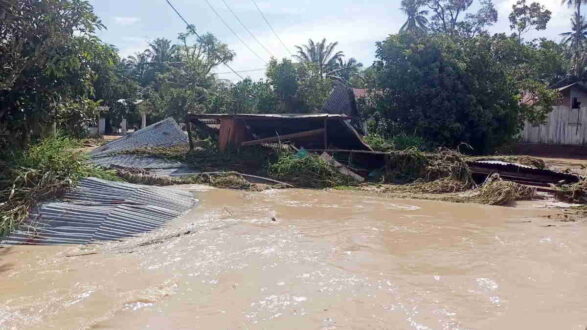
(43, 171)
(310, 171)
(400, 141)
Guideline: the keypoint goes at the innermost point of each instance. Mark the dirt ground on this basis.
(577, 166)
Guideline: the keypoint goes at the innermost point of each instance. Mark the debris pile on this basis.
(573, 193)
(496, 191)
(445, 171)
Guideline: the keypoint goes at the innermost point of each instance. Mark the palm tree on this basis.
(576, 40)
(346, 69)
(320, 54)
(576, 3)
(161, 50)
(417, 21)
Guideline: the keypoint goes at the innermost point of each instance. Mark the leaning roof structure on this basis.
(310, 131)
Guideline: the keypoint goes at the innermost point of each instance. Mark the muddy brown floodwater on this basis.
(311, 259)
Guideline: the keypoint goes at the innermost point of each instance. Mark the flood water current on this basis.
(293, 259)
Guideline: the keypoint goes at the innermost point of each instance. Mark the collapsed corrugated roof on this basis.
(102, 210)
(165, 133)
(311, 131)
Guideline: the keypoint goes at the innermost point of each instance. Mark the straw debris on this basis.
(442, 172)
(574, 193)
(496, 191)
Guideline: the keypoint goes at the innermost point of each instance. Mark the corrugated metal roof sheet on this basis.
(165, 133)
(135, 161)
(102, 210)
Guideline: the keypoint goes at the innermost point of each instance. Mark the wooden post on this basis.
(188, 126)
(326, 133)
(143, 120)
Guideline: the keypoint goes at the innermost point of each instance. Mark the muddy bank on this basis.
(312, 259)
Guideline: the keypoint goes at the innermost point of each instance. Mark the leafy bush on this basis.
(310, 171)
(400, 141)
(43, 171)
(379, 143)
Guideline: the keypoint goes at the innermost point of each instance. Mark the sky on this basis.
(356, 24)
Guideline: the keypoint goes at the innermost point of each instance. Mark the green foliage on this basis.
(49, 57)
(451, 90)
(455, 17)
(299, 86)
(74, 117)
(307, 172)
(43, 171)
(400, 141)
(320, 55)
(524, 17)
(283, 77)
(246, 96)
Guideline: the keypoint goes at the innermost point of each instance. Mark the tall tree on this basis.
(453, 17)
(524, 17)
(449, 90)
(347, 69)
(47, 53)
(321, 54)
(417, 21)
(576, 39)
(575, 3)
(161, 50)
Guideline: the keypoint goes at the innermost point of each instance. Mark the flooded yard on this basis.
(311, 259)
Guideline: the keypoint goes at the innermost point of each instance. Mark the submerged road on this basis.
(311, 259)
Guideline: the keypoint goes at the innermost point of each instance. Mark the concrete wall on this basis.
(564, 126)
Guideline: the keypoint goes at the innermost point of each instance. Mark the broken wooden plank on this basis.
(341, 168)
(315, 132)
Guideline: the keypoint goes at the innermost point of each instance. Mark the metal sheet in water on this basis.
(102, 210)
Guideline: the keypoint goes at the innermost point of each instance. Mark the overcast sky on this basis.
(355, 24)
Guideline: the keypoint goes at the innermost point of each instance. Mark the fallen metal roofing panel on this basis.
(165, 133)
(102, 210)
(135, 161)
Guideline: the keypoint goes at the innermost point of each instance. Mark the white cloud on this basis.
(126, 20)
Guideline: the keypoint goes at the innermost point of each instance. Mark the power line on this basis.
(272, 30)
(243, 71)
(233, 32)
(247, 29)
(192, 28)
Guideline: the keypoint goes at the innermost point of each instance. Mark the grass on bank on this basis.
(43, 171)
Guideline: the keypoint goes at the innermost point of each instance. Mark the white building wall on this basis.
(563, 126)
